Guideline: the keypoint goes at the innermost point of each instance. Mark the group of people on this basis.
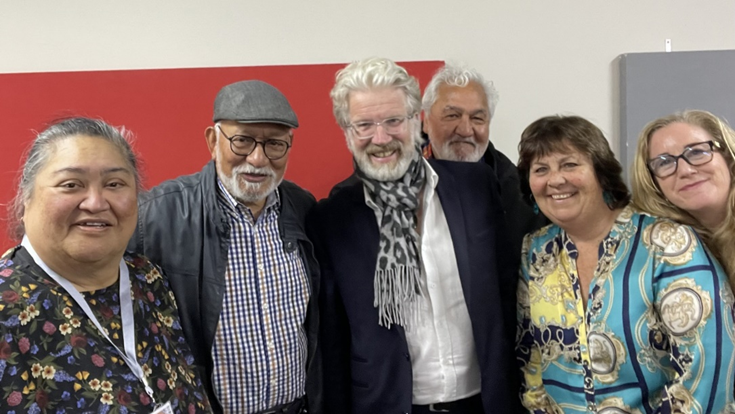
(440, 277)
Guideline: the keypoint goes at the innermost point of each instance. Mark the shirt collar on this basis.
(272, 201)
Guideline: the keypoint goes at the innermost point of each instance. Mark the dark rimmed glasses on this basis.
(701, 153)
(391, 126)
(244, 145)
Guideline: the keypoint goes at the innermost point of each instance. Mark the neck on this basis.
(711, 220)
(594, 233)
(256, 207)
(87, 276)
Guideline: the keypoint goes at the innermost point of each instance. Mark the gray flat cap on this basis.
(253, 101)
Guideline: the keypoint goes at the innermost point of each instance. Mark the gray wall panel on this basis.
(656, 84)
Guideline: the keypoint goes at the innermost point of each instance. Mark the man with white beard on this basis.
(232, 243)
(458, 106)
(417, 301)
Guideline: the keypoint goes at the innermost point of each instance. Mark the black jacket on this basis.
(182, 228)
(519, 216)
(367, 367)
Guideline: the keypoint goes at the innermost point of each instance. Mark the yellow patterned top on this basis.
(656, 335)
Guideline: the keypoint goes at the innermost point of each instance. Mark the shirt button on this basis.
(265, 306)
(261, 267)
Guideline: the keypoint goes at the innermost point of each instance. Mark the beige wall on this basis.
(545, 56)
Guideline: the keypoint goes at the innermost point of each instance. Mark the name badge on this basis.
(164, 409)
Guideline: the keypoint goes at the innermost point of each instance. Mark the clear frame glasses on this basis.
(391, 126)
(695, 154)
(244, 145)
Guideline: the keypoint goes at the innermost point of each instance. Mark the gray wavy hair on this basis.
(459, 75)
(371, 73)
(43, 147)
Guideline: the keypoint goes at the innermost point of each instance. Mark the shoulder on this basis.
(339, 204)
(458, 167)
(661, 232)
(349, 193)
(503, 166)
(676, 243)
(138, 263)
(25, 290)
(463, 175)
(178, 188)
(147, 276)
(296, 194)
(541, 236)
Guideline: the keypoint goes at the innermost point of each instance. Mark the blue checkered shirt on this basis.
(259, 348)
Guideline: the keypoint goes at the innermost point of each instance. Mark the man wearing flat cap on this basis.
(231, 241)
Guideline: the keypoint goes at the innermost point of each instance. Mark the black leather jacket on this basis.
(182, 228)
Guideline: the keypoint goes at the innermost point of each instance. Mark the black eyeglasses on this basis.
(244, 145)
(695, 154)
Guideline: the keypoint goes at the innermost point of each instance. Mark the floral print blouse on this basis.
(656, 334)
(54, 360)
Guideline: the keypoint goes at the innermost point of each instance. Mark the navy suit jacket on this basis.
(367, 367)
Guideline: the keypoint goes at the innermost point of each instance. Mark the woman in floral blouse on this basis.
(85, 327)
(619, 311)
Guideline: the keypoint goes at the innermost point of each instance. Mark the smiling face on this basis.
(384, 157)
(249, 179)
(566, 188)
(83, 208)
(700, 190)
(458, 123)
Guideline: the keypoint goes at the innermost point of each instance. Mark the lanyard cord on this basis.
(126, 312)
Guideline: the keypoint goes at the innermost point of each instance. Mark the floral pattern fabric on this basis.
(54, 360)
(656, 335)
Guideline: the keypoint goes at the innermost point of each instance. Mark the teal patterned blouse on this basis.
(656, 335)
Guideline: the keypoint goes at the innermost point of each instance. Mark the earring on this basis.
(535, 205)
(607, 198)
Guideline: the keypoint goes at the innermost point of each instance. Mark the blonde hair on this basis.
(647, 195)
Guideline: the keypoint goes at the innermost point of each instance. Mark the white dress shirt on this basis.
(441, 345)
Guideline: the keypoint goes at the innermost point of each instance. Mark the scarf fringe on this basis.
(397, 296)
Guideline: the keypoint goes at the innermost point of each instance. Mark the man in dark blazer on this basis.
(417, 301)
(458, 106)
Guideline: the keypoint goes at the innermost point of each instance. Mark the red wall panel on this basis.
(169, 109)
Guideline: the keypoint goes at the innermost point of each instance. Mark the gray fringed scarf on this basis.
(396, 284)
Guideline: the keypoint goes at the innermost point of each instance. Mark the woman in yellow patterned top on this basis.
(619, 311)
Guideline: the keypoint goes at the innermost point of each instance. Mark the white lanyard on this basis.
(126, 312)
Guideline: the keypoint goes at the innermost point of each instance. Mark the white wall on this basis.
(545, 56)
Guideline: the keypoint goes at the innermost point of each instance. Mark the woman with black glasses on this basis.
(683, 170)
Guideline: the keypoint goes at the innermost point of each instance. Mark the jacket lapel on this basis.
(453, 212)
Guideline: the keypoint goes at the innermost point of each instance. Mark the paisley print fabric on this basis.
(656, 335)
(54, 360)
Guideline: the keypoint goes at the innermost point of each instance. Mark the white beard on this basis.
(244, 191)
(446, 152)
(386, 172)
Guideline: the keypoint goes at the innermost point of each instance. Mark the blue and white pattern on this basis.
(259, 349)
(656, 333)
